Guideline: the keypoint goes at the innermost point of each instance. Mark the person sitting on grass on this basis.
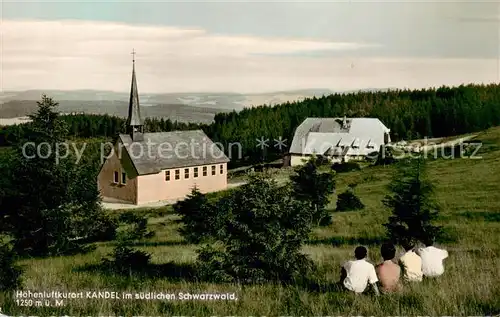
(356, 274)
(388, 272)
(411, 263)
(432, 259)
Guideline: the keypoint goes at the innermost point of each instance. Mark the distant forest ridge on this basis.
(179, 112)
(410, 114)
(176, 106)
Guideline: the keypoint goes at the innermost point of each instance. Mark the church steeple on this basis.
(135, 125)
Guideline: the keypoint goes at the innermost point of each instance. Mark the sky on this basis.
(247, 46)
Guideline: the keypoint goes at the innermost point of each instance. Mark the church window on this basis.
(196, 172)
(222, 169)
(204, 171)
(124, 178)
(213, 169)
(167, 175)
(186, 173)
(177, 174)
(115, 179)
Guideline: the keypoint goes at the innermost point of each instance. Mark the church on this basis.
(149, 167)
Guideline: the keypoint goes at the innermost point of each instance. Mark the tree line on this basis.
(410, 114)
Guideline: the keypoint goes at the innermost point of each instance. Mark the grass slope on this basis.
(467, 189)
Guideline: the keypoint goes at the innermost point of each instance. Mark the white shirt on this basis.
(359, 274)
(412, 266)
(432, 260)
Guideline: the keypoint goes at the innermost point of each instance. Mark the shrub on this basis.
(385, 156)
(135, 227)
(103, 229)
(348, 201)
(346, 167)
(125, 259)
(213, 264)
(321, 160)
(55, 235)
(265, 231)
(10, 273)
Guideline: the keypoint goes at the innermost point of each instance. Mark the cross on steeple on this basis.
(134, 122)
(133, 55)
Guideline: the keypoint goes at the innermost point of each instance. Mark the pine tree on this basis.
(315, 188)
(198, 216)
(412, 204)
(49, 203)
(265, 230)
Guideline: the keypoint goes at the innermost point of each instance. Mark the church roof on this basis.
(134, 111)
(176, 149)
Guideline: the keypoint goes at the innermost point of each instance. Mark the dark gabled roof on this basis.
(134, 111)
(174, 149)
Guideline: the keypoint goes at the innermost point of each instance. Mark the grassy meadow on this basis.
(468, 191)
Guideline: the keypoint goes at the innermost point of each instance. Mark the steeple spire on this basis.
(134, 121)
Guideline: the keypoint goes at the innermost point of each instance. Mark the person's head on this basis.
(360, 253)
(428, 241)
(408, 245)
(388, 251)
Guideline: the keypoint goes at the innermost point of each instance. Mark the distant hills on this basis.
(179, 112)
(186, 107)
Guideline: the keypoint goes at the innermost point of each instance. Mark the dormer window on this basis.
(370, 145)
(355, 143)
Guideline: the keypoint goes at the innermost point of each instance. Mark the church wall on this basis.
(155, 187)
(119, 191)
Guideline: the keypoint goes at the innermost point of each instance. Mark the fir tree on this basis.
(412, 204)
(50, 203)
(198, 216)
(314, 187)
(265, 230)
